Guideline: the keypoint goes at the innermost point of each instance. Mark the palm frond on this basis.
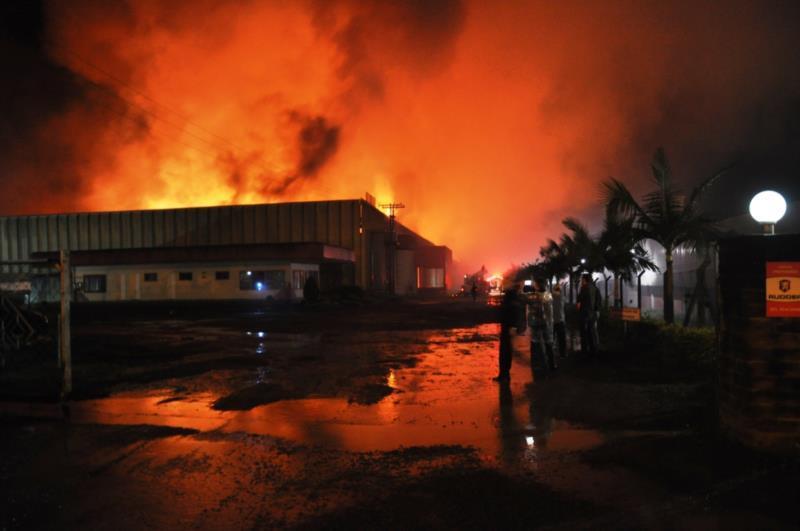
(618, 198)
(702, 188)
(662, 172)
(579, 230)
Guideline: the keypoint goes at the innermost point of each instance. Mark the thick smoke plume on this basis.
(316, 144)
(490, 121)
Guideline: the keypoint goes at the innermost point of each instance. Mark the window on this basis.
(94, 283)
(299, 278)
(261, 280)
(274, 279)
(151, 277)
(185, 275)
(222, 275)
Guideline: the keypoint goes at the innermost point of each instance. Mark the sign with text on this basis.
(16, 286)
(626, 314)
(783, 289)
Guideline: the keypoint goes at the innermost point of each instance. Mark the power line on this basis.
(122, 85)
(116, 93)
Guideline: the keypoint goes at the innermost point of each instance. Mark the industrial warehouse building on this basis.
(226, 252)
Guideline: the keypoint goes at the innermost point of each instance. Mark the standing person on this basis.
(509, 317)
(559, 320)
(588, 311)
(540, 321)
(474, 291)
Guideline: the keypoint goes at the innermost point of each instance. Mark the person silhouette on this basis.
(509, 318)
(540, 322)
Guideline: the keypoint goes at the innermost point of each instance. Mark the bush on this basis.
(668, 346)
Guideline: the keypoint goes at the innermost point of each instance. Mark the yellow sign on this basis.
(783, 289)
(626, 314)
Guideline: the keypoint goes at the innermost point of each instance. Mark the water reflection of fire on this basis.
(391, 379)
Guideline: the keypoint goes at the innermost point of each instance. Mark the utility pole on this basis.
(391, 244)
(64, 323)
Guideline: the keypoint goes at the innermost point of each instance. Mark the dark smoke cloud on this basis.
(52, 121)
(316, 143)
(485, 104)
(418, 36)
(63, 135)
(713, 83)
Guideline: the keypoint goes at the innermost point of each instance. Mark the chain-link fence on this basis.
(35, 301)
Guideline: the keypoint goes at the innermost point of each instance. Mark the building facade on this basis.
(226, 252)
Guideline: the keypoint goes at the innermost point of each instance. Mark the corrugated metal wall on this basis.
(330, 222)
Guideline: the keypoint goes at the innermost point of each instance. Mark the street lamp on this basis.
(768, 208)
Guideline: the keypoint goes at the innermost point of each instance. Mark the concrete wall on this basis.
(124, 283)
(759, 356)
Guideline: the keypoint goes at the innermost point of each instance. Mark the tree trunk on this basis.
(701, 307)
(569, 276)
(617, 292)
(669, 308)
(689, 309)
(702, 294)
(699, 295)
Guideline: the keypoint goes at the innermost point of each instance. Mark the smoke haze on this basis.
(491, 122)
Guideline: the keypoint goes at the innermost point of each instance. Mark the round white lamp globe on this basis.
(768, 208)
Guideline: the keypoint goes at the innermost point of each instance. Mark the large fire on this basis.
(489, 124)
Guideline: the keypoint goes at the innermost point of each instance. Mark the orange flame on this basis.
(489, 124)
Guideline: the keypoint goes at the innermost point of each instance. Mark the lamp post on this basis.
(767, 208)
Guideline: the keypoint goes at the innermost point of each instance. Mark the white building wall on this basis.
(127, 282)
(685, 263)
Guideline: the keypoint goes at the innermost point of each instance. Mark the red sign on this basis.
(783, 289)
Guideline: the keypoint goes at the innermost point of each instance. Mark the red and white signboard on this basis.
(783, 289)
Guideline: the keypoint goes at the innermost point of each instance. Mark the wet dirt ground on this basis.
(377, 416)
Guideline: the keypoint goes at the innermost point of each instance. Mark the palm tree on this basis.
(582, 251)
(555, 259)
(665, 215)
(622, 251)
(538, 269)
(581, 246)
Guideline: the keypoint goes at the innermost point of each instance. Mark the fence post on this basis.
(64, 322)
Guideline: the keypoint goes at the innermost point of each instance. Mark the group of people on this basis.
(543, 313)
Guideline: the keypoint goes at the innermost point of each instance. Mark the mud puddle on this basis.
(446, 398)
